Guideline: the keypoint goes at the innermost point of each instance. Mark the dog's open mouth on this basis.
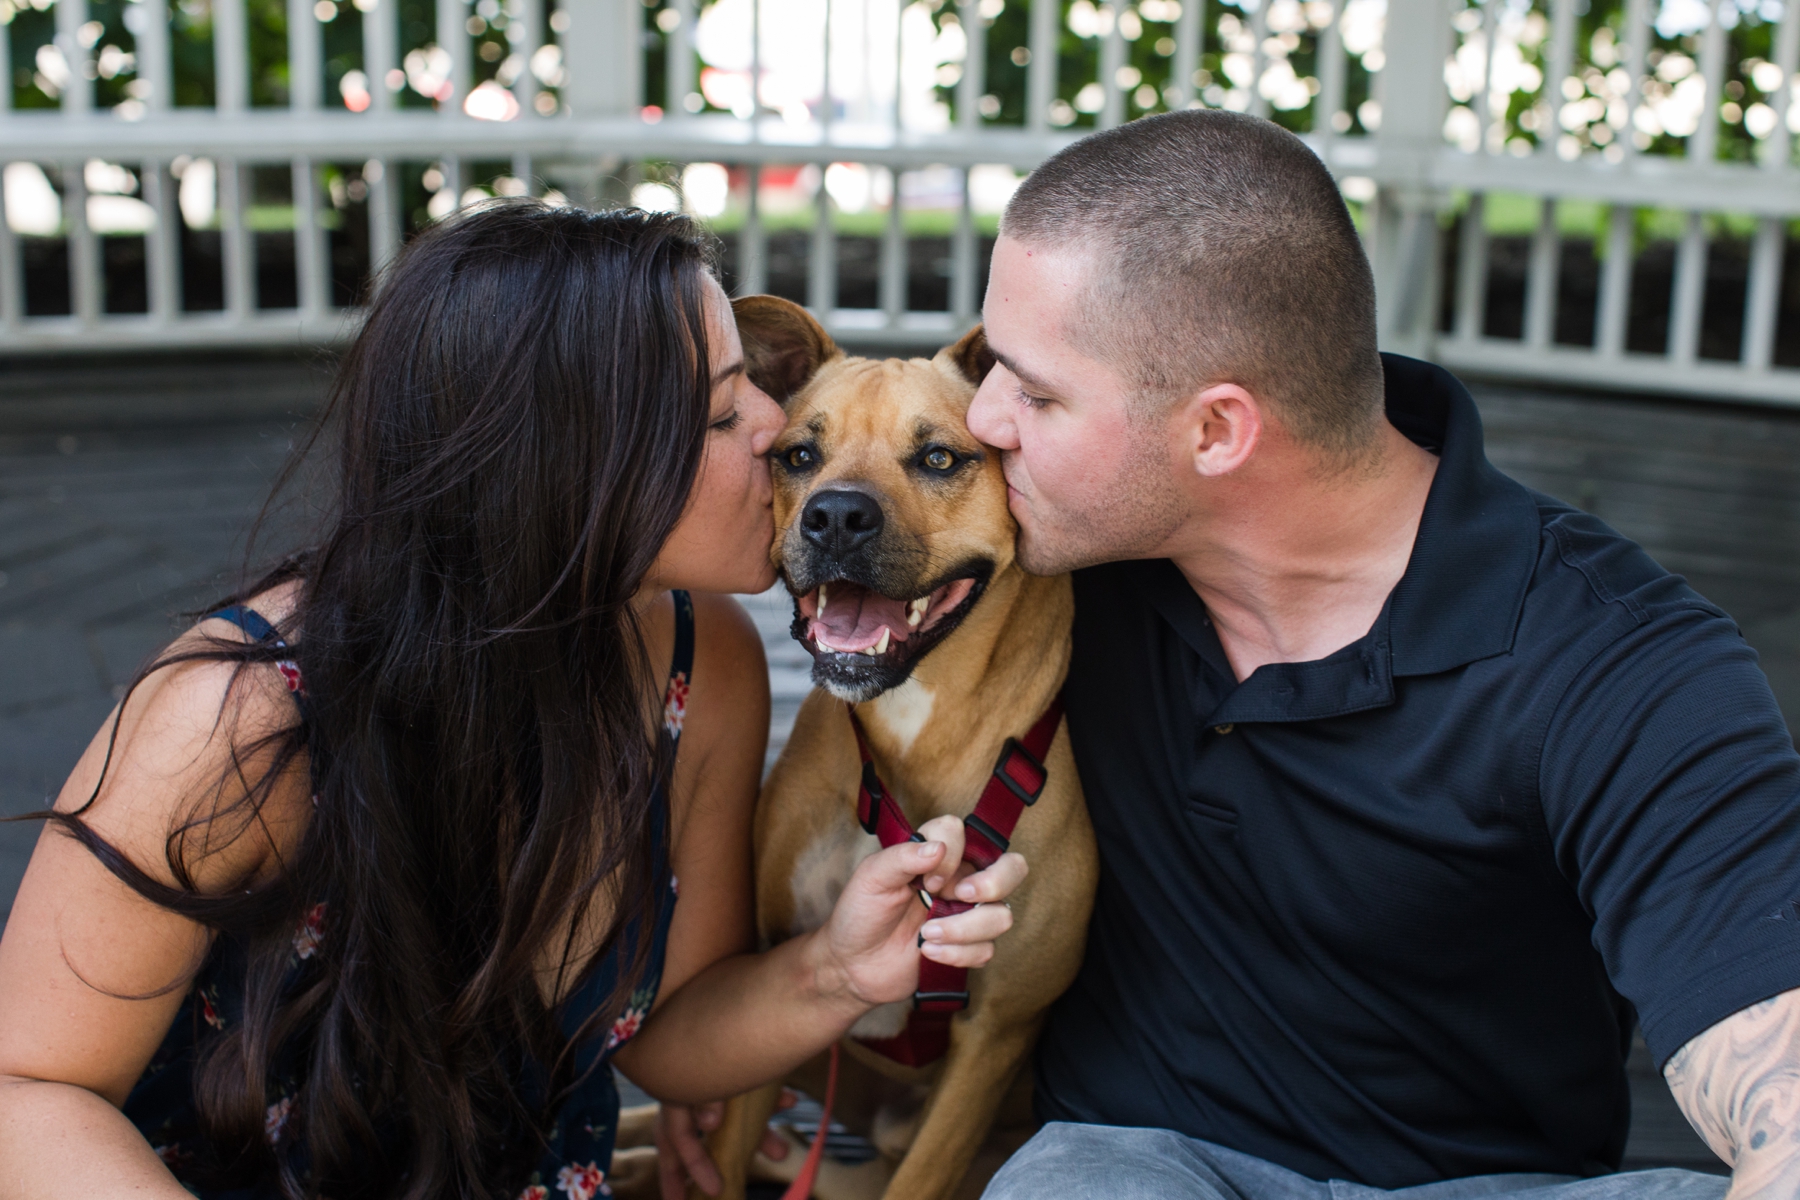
(845, 618)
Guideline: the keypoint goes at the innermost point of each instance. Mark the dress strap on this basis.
(250, 621)
(681, 666)
(259, 629)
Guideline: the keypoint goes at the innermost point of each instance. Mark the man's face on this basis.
(1090, 472)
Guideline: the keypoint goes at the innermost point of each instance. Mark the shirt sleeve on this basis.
(1671, 791)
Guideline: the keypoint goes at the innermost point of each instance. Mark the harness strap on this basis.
(1015, 783)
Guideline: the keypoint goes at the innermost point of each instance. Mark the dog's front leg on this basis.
(984, 1057)
(735, 1141)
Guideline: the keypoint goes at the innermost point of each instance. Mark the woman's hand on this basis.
(750, 1018)
(868, 951)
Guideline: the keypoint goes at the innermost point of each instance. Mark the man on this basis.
(1415, 790)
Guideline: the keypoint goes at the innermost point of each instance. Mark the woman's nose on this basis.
(768, 421)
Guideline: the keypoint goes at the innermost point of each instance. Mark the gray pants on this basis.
(1080, 1161)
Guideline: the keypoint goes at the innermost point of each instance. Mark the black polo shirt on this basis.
(1385, 916)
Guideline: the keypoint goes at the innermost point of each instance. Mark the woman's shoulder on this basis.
(727, 700)
(192, 747)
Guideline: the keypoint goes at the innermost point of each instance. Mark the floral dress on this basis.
(580, 1141)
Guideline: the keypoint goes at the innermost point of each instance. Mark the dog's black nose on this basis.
(839, 521)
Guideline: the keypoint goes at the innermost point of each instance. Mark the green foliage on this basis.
(29, 29)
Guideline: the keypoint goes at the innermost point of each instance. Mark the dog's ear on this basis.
(971, 356)
(783, 346)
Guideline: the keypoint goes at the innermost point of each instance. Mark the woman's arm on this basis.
(91, 973)
(728, 1020)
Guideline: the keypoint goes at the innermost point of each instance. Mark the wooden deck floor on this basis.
(125, 492)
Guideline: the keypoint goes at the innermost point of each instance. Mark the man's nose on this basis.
(988, 418)
(840, 520)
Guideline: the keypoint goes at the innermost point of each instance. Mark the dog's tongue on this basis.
(854, 617)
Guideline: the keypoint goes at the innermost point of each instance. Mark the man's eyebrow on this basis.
(1025, 377)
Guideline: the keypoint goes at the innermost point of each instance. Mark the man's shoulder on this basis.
(1585, 566)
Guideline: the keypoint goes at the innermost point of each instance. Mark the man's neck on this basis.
(1295, 564)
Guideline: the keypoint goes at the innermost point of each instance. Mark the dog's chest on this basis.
(820, 873)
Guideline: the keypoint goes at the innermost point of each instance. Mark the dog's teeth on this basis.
(821, 612)
(915, 611)
(881, 643)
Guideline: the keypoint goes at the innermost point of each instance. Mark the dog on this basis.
(894, 537)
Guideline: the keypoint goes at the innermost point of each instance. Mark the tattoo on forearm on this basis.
(1739, 1086)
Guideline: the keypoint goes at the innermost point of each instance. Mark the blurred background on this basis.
(1588, 208)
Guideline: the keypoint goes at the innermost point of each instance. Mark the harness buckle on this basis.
(1018, 787)
(988, 832)
(941, 1001)
(872, 797)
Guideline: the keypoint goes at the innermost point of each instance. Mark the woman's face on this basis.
(721, 543)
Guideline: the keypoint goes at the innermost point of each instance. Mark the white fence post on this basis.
(524, 33)
(1413, 103)
(381, 32)
(162, 245)
(453, 38)
(84, 247)
(312, 246)
(235, 242)
(1040, 76)
(77, 98)
(602, 50)
(153, 66)
(893, 256)
(1112, 58)
(305, 58)
(972, 85)
(231, 54)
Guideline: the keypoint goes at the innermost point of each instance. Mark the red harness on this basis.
(1016, 782)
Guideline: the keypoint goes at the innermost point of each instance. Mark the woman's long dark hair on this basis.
(521, 418)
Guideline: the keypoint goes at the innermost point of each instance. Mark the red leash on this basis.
(802, 1186)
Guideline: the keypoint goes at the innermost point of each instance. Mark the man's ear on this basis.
(783, 346)
(970, 357)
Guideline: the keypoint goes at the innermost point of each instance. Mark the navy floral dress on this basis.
(580, 1142)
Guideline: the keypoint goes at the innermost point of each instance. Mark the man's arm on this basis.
(1739, 1086)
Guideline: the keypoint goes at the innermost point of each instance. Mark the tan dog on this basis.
(894, 536)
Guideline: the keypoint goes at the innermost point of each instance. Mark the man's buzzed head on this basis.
(1223, 254)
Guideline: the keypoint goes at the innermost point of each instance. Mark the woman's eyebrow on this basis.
(723, 373)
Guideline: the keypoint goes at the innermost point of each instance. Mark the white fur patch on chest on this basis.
(823, 869)
(904, 711)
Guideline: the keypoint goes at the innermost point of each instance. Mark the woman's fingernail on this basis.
(932, 931)
(934, 882)
(965, 891)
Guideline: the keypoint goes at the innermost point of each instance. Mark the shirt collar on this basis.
(1459, 600)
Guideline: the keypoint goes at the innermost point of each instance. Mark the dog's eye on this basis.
(798, 458)
(939, 459)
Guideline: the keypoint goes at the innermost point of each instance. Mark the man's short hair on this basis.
(1225, 255)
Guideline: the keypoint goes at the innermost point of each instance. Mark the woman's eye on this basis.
(727, 423)
(799, 458)
(940, 459)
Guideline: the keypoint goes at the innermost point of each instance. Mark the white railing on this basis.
(1473, 140)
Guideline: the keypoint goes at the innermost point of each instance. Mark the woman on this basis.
(372, 873)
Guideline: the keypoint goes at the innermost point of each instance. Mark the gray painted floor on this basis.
(115, 519)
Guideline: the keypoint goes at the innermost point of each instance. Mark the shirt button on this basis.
(1223, 728)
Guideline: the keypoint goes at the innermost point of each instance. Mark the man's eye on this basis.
(1031, 401)
(940, 459)
(799, 458)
